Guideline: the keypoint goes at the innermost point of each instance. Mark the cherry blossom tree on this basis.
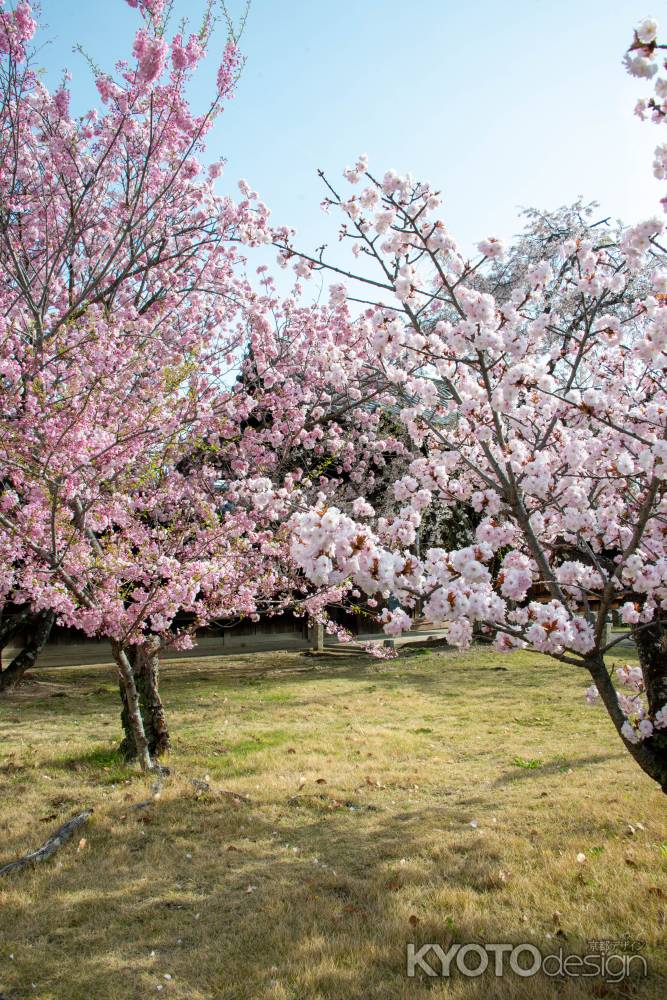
(116, 294)
(540, 401)
(143, 483)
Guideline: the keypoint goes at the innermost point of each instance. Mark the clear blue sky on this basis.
(498, 104)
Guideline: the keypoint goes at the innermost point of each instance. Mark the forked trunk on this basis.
(146, 668)
(135, 723)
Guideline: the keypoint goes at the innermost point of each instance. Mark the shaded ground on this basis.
(364, 781)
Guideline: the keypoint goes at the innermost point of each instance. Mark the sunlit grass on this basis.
(439, 797)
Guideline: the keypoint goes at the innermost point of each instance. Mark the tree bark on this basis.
(651, 642)
(649, 754)
(146, 668)
(26, 658)
(651, 645)
(135, 722)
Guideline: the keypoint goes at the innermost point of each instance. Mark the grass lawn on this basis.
(440, 797)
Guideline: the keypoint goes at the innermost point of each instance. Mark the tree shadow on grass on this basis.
(552, 768)
(266, 670)
(215, 896)
(406, 672)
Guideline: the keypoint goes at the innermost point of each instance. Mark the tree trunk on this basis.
(649, 754)
(26, 658)
(10, 624)
(651, 645)
(146, 668)
(135, 722)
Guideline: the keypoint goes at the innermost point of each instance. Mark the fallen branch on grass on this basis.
(54, 843)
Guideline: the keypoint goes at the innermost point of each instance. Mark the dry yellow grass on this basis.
(363, 780)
